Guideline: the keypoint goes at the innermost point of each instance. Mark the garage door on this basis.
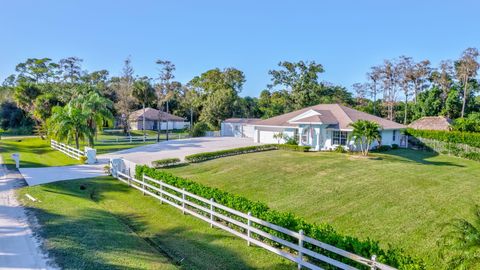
(266, 136)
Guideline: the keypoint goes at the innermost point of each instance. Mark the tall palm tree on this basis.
(68, 122)
(144, 93)
(365, 133)
(460, 245)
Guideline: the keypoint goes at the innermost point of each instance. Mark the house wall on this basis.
(149, 125)
(265, 134)
(239, 130)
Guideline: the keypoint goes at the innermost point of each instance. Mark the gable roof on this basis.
(332, 114)
(432, 123)
(242, 120)
(154, 115)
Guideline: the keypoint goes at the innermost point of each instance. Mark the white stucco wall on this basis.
(137, 125)
(239, 130)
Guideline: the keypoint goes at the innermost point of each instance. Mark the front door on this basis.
(309, 137)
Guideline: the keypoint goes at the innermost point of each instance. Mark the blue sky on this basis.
(347, 37)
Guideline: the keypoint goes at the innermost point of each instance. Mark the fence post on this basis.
(374, 262)
(161, 193)
(183, 201)
(300, 245)
(249, 223)
(143, 184)
(211, 212)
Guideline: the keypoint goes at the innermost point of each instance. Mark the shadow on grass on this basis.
(418, 156)
(90, 230)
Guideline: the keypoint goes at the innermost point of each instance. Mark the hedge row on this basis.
(244, 150)
(468, 138)
(166, 162)
(322, 232)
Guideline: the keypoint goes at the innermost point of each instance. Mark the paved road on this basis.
(19, 249)
(177, 149)
(38, 176)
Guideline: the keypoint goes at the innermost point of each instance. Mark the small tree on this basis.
(278, 136)
(365, 133)
(69, 122)
(144, 93)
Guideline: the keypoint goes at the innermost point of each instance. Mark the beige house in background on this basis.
(155, 119)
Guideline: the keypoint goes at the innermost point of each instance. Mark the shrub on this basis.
(229, 152)
(166, 162)
(322, 232)
(199, 129)
(468, 138)
(394, 146)
(293, 140)
(289, 147)
(340, 149)
(383, 148)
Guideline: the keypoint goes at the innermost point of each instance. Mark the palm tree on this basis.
(68, 122)
(97, 108)
(144, 93)
(365, 133)
(460, 245)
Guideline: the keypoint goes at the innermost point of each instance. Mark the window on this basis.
(236, 128)
(394, 136)
(340, 137)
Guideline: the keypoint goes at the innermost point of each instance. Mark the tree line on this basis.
(399, 89)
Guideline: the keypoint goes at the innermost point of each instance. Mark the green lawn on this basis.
(402, 197)
(109, 225)
(34, 152)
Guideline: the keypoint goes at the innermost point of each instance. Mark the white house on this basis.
(238, 127)
(323, 127)
(154, 119)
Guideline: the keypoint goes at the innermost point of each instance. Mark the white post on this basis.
(374, 264)
(16, 157)
(249, 223)
(183, 201)
(211, 212)
(300, 244)
(143, 184)
(161, 193)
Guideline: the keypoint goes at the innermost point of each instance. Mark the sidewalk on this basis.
(19, 249)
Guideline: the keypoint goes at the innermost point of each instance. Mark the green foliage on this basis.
(68, 123)
(323, 232)
(394, 146)
(383, 148)
(468, 124)
(83, 159)
(460, 245)
(291, 140)
(290, 147)
(340, 149)
(229, 152)
(166, 162)
(365, 133)
(468, 138)
(199, 129)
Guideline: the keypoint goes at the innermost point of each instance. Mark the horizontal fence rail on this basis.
(135, 139)
(67, 149)
(299, 248)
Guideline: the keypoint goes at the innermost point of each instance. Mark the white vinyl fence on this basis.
(139, 139)
(67, 149)
(254, 230)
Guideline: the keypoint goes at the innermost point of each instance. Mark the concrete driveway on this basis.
(177, 149)
(43, 175)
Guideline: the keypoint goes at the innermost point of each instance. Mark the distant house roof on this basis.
(241, 120)
(154, 115)
(335, 115)
(432, 123)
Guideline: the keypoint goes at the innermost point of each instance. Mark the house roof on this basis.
(432, 123)
(154, 115)
(242, 120)
(332, 114)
